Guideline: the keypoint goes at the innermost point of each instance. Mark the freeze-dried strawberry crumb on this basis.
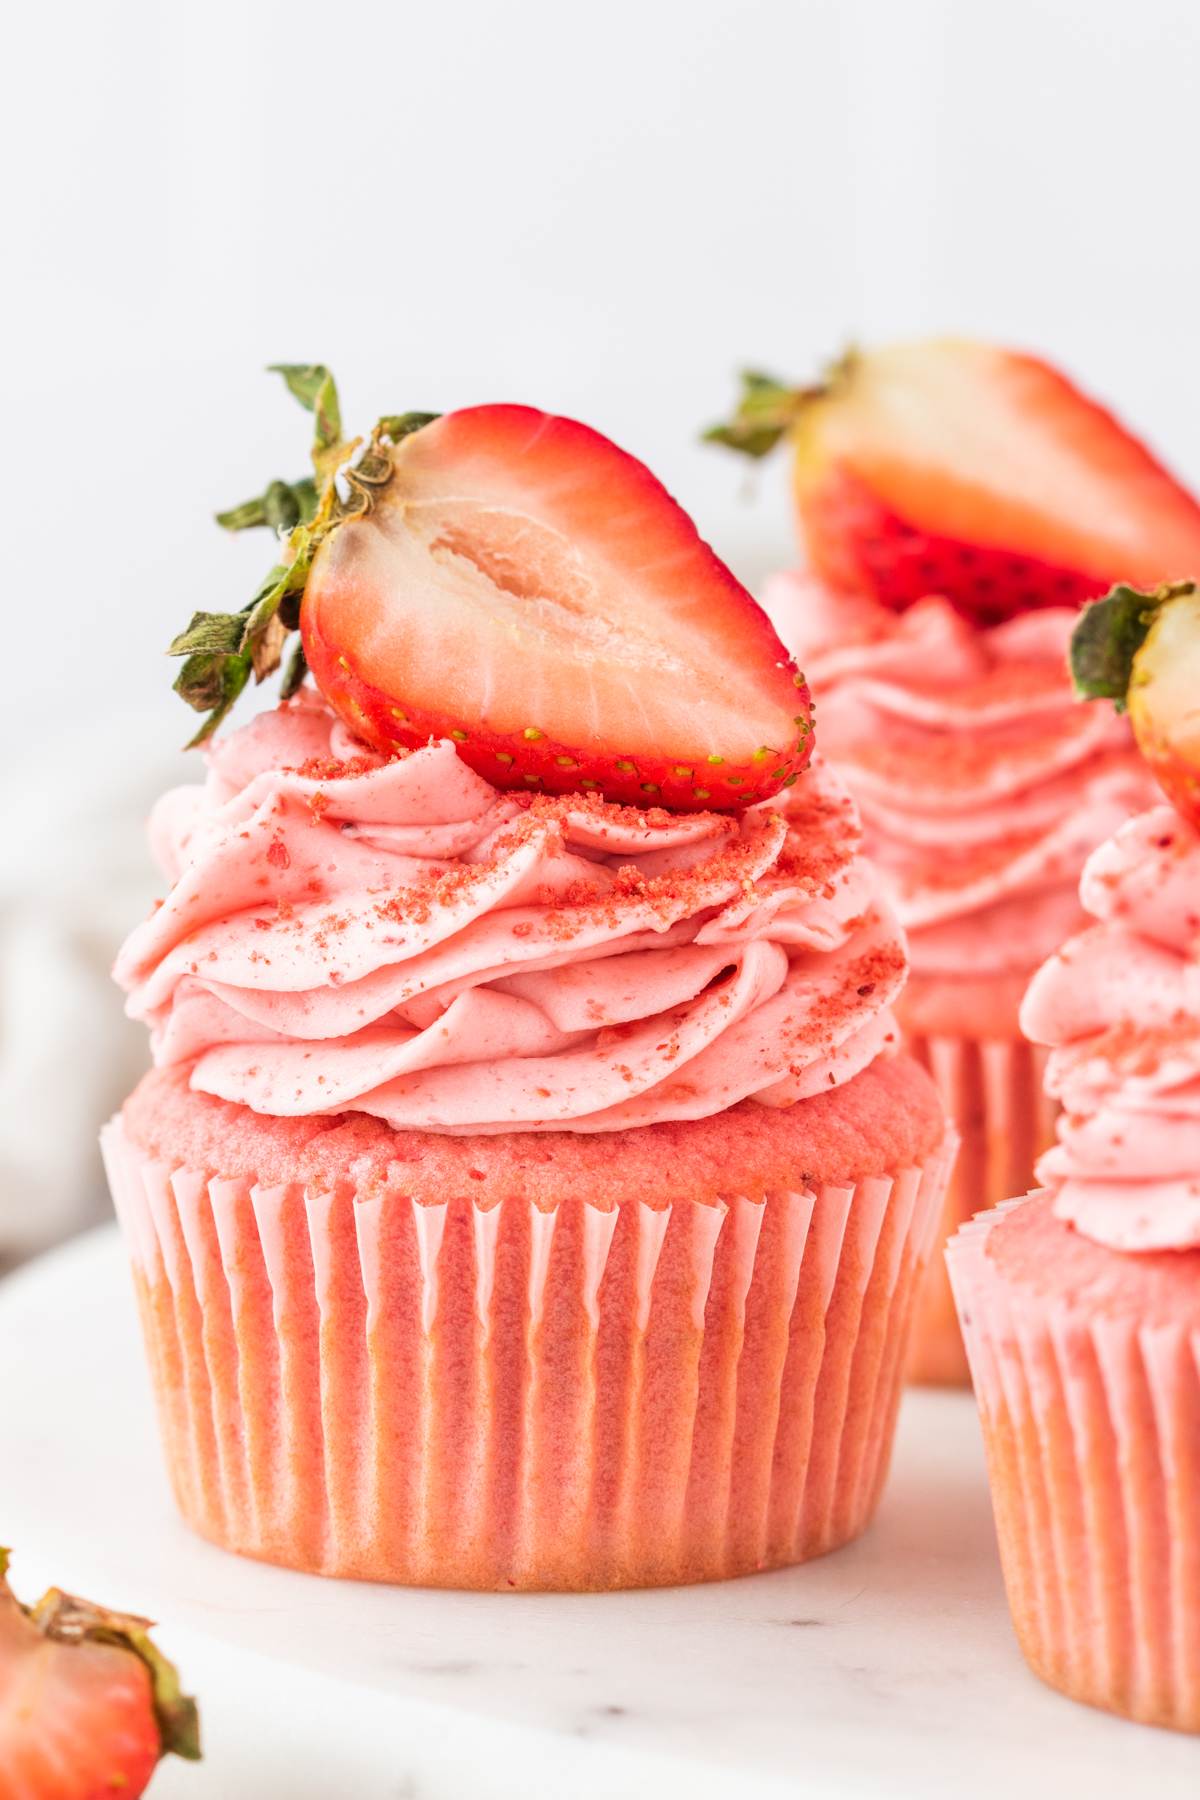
(441, 885)
(823, 838)
(545, 807)
(1140, 1050)
(333, 768)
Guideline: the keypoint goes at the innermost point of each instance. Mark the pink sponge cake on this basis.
(528, 1193)
(1081, 1305)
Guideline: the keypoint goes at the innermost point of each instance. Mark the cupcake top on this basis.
(982, 784)
(1120, 1003)
(398, 937)
(419, 890)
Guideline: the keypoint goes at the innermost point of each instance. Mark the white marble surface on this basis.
(887, 1670)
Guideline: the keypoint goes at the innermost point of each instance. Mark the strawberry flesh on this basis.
(526, 588)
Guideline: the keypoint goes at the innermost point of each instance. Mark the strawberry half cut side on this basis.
(524, 587)
(88, 1705)
(978, 473)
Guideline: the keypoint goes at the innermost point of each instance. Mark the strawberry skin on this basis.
(861, 547)
(81, 1715)
(76, 1720)
(528, 589)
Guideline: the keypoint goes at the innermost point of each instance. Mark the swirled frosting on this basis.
(981, 783)
(396, 937)
(1120, 1002)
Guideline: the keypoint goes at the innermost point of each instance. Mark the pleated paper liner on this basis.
(1092, 1431)
(446, 1396)
(992, 1090)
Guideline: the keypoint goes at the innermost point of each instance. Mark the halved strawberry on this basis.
(957, 468)
(526, 588)
(515, 582)
(1143, 651)
(87, 1704)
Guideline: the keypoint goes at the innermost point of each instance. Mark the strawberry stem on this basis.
(224, 649)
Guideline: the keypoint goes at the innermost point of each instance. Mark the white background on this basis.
(600, 209)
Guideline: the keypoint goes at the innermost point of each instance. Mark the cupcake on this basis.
(1081, 1304)
(957, 503)
(528, 1192)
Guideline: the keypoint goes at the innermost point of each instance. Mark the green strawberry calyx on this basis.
(1109, 634)
(768, 408)
(223, 650)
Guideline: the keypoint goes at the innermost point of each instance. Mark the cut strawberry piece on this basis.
(521, 585)
(957, 468)
(1142, 650)
(87, 1704)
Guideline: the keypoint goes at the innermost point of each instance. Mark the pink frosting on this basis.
(399, 938)
(982, 784)
(1120, 1003)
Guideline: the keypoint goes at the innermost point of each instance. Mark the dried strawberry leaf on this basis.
(314, 387)
(763, 414)
(401, 425)
(266, 648)
(297, 669)
(1109, 635)
(769, 408)
(209, 634)
(73, 1621)
(223, 649)
(290, 503)
(211, 684)
(284, 578)
(201, 682)
(285, 505)
(246, 517)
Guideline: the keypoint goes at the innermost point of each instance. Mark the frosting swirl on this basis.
(1121, 1004)
(982, 784)
(396, 937)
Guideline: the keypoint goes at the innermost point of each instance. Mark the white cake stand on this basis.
(888, 1670)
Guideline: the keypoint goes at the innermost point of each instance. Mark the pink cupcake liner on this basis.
(445, 1396)
(1092, 1431)
(992, 1090)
